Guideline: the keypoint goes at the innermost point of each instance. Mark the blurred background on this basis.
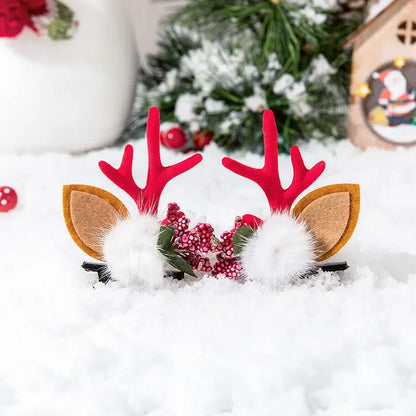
(212, 68)
(147, 15)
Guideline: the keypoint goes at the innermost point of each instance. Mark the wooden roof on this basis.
(376, 23)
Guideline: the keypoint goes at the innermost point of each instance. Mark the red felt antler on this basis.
(268, 177)
(158, 176)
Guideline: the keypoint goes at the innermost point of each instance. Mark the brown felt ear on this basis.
(331, 213)
(88, 213)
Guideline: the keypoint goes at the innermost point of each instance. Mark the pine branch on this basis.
(234, 42)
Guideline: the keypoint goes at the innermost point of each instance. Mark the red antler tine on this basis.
(158, 176)
(303, 178)
(268, 177)
(123, 176)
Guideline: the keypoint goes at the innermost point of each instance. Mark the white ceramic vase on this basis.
(70, 95)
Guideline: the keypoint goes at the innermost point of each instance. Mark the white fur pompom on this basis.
(131, 253)
(279, 252)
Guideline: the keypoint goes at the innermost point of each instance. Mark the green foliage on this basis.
(164, 243)
(61, 25)
(179, 263)
(245, 37)
(240, 238)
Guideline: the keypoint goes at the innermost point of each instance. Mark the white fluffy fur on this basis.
(280, 251)
(131, 253)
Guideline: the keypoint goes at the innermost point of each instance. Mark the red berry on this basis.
(8, 199)
(202, 138)
(191, 244)
(227, 267)
(174, 138)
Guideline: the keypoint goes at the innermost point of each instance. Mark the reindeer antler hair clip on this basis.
(289, 244)
(136, 247)
(101, 226)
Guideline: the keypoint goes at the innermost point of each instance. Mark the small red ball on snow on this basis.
(8, 199)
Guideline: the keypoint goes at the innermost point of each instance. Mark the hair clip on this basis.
(133, 246)
(291, 243)
(136, 247)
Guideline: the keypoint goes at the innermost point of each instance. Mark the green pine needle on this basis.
(258, 29)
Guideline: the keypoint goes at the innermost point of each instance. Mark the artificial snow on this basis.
(256, 101)
(295, 91)
(186, 107)
(283, 83)
(310, 15)
(321, 70)
(376, 7)
(206, 66)
(215, 106)
(332, 345)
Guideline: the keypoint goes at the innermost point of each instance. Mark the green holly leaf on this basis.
(178, 263)
(164, 241)
(240, 238)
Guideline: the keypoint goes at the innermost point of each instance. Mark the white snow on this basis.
(324, 4)
(402, 134)
(330, 346)
(232, 119)
(295, 91)
(211, 65)
(186, 107)
(273, 65)
(375, 7)
(283, 83)
(310, 15)
(256, 102)
(214, 106)
(321, 70)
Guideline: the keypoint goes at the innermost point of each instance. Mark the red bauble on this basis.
(174, 138)
(16, 14)
(8, 199)
(202, 138)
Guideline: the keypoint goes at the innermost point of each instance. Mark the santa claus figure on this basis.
(396, 99)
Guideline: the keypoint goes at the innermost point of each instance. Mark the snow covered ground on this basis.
(331, 346)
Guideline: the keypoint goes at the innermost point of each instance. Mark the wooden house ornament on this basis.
(383, 81)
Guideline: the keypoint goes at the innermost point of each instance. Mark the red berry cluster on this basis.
(191, 244)
(227, 263)
(228, 267)
(194, 244)
(177, 219)
(199, 263)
